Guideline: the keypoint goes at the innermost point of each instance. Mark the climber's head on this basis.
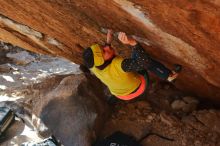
(97, 55)
(108, 52)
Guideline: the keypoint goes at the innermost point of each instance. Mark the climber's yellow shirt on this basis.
(119, 82)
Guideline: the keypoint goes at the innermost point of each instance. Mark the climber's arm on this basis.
(139, 57)
(109, 37)
(138, 60)
(126, 40)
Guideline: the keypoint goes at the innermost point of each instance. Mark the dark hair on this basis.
(88, 58)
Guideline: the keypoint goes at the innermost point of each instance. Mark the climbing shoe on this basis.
(172, 77)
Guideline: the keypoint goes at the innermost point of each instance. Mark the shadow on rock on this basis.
(75, 110)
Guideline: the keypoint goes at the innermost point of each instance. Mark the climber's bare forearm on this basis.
(109, 37)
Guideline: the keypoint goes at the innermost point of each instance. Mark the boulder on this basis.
(186, 104)
(5, 68)
(191, 102)
(21, 58)
(74, 111)
(209, 118)
(71, 108)
(178, 104)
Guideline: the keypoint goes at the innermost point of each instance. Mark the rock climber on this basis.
(122, 75)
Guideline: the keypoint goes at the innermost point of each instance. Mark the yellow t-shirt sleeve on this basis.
(118, 62)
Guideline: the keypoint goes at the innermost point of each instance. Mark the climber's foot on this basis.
(175, 73)
(172, 76)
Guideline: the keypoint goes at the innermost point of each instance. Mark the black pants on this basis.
(152, 65)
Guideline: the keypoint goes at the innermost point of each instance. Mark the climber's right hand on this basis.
(126, 40)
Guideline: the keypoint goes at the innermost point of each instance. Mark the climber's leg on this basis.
(145, 62)
(158, 69)
(163, 72)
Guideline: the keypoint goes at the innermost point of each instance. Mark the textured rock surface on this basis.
(32, 89)
(68, 105)
(74, 111)
(163, 129)
(185, 32)
(71, 107)
(22, 69)
(22, 58)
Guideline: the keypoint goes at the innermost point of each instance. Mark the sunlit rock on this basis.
(21, 58)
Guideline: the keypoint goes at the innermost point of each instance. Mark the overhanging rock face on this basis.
(184, 32)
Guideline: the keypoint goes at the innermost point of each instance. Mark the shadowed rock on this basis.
(74, 110)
